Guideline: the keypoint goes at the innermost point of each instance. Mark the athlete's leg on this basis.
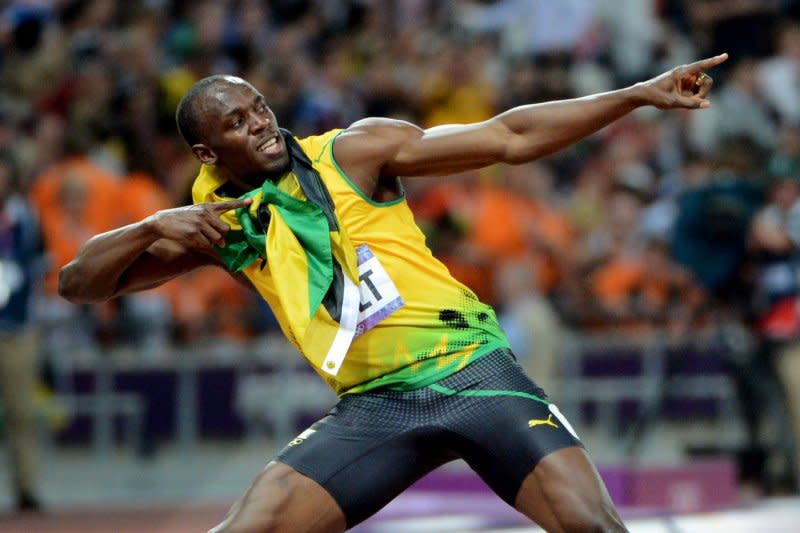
(564, 493)
(526, 450)
(281, 499)
(344, 468)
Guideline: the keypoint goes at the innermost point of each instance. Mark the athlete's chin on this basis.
(274, 164)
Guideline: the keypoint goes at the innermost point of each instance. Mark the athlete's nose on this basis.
(258, 123)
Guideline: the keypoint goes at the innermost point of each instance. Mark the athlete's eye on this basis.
(237, 122)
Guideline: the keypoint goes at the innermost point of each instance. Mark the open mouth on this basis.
(270, 146)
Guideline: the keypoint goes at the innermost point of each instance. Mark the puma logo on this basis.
(533, 422)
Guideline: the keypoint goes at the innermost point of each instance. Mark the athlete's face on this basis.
(241, 133)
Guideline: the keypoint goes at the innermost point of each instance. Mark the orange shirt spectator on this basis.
(507, 226)
(648, 288)
(497, 223)
(550, 240)
(76, 199)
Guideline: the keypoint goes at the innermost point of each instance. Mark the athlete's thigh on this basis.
(367, 451)
(529, 454)
(514, 435)
(508, 425)
(280, 499)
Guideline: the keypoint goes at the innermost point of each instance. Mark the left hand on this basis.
(683, 87)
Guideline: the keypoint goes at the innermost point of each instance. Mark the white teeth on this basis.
(267, 144)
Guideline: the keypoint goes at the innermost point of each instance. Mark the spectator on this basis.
(534, 329)
(712, 221)
(546, 233)
(638, 292)
(455, 92)
(779, 75)
(774, 238)
(21, 265)
(77, 198)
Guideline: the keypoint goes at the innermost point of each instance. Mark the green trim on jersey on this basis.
(355, 187)
(486, 393)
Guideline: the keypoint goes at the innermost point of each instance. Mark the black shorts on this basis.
(372, 446)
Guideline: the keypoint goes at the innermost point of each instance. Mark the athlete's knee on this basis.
(266, 523)
(595, 519)
(255, 515)
(282, 501)
(566, 493)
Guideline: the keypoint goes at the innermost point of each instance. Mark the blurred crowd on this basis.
(662, 221)
(647, 224)
(643, 225)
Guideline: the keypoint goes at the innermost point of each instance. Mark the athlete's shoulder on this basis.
(366, 138)
(374, 141)
(382, 128)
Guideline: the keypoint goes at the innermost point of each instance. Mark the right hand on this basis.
(683, 87)
(195, 226)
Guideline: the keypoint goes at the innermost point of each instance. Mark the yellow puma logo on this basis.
(533, 422)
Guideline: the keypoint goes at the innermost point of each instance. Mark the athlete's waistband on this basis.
(479, 369)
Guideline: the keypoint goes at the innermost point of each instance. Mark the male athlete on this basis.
(320, 228)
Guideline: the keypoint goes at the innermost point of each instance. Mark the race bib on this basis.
(379, 296)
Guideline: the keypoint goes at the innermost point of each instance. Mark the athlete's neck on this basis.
(238, 185)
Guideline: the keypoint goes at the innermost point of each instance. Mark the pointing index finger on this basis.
(705, 64)
(222, 207)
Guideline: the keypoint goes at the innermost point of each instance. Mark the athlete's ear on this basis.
(204, 154)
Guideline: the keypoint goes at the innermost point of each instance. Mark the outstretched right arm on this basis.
(146, 254)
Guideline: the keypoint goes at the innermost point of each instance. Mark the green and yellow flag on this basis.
(291, 227)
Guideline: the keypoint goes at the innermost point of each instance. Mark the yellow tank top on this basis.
(417, 324)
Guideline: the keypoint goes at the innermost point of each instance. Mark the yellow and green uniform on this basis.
(417, 324)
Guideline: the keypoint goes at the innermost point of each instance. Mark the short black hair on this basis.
(187, 115)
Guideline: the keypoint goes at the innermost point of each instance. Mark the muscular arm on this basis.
(374, 148)
(145, 254)
(128, 259)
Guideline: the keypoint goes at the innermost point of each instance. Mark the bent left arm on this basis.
(383, 147)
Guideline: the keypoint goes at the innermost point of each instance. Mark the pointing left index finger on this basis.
(705, 64)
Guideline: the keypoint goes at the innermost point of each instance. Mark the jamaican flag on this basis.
(292, 230)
